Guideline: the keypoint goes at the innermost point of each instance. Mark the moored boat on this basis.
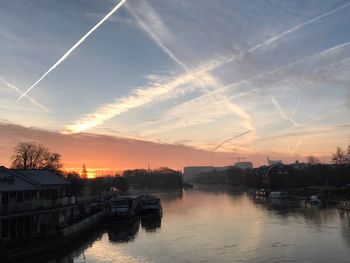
(123, 207)
(150, 205)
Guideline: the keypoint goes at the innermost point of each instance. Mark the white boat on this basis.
(123, 207)
(279, 195)
(150, 205)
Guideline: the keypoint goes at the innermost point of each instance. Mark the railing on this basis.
(15, 207)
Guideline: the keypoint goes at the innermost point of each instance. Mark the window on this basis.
(4, 228)
(27, 195)
(35, 224)
(12, 195)
(20, 197)
(4, 198)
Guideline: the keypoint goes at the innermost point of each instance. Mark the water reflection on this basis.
(70, 251)
(173, 195)
(201, 225)
(123, 232)
(127, 231)
(152, 223)
(316, 215)
(345, 225)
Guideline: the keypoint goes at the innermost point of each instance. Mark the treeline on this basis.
(139, 178)
(159, 178)
(280, 176)
(95, 186)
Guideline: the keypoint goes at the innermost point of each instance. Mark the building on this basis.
(273, 162)
(190, 172)
(244, 165)
(33, 203)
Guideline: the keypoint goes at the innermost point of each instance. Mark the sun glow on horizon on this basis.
(95, 172)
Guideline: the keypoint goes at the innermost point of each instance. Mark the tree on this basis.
(339, 156)
(31, 155)
(313, 160)
(84, 173)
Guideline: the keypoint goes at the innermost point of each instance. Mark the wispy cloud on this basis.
(282, 113)
(305, 132)
(157, 30)
(199, 76)
(295, 28)
(161, 35)
(138, 98)
(191, 112)
(157, 92)
(18, 91)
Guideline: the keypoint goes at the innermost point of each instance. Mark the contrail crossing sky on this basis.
(81, 40)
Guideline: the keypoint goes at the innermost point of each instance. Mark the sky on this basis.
(176, 83)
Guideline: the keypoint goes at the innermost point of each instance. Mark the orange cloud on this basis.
(103, 154)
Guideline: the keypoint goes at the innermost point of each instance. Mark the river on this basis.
(213, 225)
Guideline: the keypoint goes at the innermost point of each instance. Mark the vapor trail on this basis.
(282, 113)
(230, 139)
(161, 35)
(81, 40)
(296, 109)
(124, 104)
(155, 36)
(11, 86)
(275, 38)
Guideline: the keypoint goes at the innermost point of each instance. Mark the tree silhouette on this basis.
(31, 155)
(339, 157)
(313, 160)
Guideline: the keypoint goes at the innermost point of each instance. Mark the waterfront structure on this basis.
(33, 203)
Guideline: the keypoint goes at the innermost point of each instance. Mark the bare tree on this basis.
(313, 160)
(31, 155)
(339, 157)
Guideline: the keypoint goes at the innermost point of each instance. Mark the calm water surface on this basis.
(205, 225)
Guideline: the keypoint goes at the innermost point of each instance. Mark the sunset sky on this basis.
(165, 82)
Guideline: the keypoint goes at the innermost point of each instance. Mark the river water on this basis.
(212, 225)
